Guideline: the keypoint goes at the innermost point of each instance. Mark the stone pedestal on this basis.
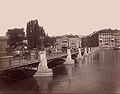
(69, 59)
(79, 54)
(92, 49)
(42, 67)
(89, 51)
(85, 53)
(97, 48)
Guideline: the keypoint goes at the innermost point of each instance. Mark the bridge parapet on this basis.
(8, 62)
(58, 54)
(74, 52)
(55, 55)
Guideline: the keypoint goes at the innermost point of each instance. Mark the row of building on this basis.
(65, 41)
(62, 42)
(106, 38)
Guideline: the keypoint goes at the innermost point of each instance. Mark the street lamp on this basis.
(68, 44)
(42, 43)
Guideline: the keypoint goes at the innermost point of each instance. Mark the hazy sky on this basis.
(60, 17)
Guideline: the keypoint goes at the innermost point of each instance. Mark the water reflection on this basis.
(96, 73)
(44, 84)
(24, 86)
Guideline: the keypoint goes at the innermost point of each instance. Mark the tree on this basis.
(15, 37)
(35, 35)
(49, 41)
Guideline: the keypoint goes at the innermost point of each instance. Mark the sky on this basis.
(59, 17)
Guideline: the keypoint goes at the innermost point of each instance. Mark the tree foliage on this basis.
(35, 34)
(49, 41)
(15, 37)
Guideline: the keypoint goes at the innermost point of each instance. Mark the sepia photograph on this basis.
(60, 46)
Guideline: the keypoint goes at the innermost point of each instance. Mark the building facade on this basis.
(106, 38)
(3, 45)
(117, 39)
(66, 41)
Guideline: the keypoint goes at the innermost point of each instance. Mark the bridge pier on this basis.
(85, 53)
(42, 67)
(69, 59)
(79, 54)
(92, 49)
(97, 48)
(89, 50)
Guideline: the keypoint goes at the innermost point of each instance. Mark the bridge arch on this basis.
(53, 63)
(74, 56)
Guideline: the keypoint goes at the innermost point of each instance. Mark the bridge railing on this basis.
(33, 56)
(6, 59)
(59, 54)
(74, 51)
(55, 55)
(9, 61)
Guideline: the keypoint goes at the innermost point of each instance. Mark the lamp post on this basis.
(42, 43)
(68, 44)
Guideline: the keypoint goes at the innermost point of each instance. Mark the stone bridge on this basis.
(38, 64)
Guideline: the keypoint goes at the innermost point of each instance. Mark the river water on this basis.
(95, 73)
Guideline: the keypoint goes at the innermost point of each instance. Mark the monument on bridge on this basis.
(79, 54)
(69, 59)
(85, 52)
(43, 69)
